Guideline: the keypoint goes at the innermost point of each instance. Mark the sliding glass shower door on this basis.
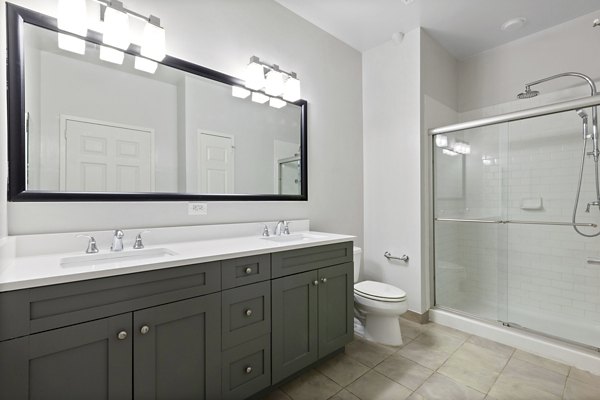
(505, 247)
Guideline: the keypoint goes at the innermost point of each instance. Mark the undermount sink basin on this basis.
(293, 237)
(99, 259)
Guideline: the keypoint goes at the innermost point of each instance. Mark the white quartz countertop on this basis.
(19, 271)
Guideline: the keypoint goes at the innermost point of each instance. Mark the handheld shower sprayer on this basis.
(584, 118)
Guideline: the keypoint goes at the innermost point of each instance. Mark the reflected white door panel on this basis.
(105, 157)
(215, 163)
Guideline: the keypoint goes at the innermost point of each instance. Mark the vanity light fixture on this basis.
(116, 26)
(146, 65)
(240, 92)
(276, 82)
(260, 98)
(276, 102)
(453, 147)
(72, 17)
(153, 41)
(291, 91)
(255, 75)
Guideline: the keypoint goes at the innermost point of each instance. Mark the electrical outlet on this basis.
(197, 208)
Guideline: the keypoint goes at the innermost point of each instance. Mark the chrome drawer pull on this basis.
(248, 369)
(248, 270)
(324, 280)
(122, 335)
(248, 312)
(144, 329)
(316, 283)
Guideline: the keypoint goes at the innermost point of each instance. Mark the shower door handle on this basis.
(592, 260)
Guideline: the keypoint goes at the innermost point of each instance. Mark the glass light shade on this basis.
(441, 141)
(116, 28)
(71, 43)
(239, 92)
(111, 55)
(274, 83)
(277, 103)
(143, 64)
(259, 98)
(153, 42)
(291, 89)
(72, 16)
(255, 76)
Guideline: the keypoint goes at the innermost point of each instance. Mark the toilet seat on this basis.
(379, 291)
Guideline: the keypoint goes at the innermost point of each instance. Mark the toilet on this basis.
(378, 306)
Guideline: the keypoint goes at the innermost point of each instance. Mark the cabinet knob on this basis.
(324, 280)
(316, 283)
(248, 312)
(248, 370)
(122, 335)
(144, 329)
(248, 270)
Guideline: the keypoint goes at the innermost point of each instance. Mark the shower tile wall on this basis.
(536, 276)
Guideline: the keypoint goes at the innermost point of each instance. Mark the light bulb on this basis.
(116, 26)
(259, 97)
(153, 40)
(291, 89)
(239, 92)
(143, 64)
(71, 43)
(255, 76)
(274, 84)
(277, 103)
(111, 55)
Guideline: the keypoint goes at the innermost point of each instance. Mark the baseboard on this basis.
(416, 317)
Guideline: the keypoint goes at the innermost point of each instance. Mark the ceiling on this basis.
(463, 27)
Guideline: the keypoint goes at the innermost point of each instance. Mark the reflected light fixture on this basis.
(72, 17)
(116, 26)
(449, 152)
(239, 92)
(441, 141)
(153, 40)
(276, 102)
(260, 98)
(146, 65)
(111, 55)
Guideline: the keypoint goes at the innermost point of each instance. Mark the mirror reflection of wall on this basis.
(97, 126)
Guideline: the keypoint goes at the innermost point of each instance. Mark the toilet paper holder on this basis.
(389, 256)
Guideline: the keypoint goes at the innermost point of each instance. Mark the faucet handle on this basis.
(138, 240)
(92, 247)
(265, 231)
(286, 227)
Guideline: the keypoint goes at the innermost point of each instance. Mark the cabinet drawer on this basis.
(44, 308)
(243, 271)
(301, 260)
(246, 369)
(246, 313)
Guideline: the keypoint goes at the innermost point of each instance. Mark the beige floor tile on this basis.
(578, 390)
(312, 385)
(542, 362)
(411, 329)
(415, 396)
(368, 353)
(431, 350)
(344, 395)
(491, 345)
(374, 386)
(585, 376)
(404, 371)
(474, 366)
(439, 387)
(446, 331)
(526, 381)
(277, 395)
(342, 369)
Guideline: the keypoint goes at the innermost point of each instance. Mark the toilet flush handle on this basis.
(389, 256)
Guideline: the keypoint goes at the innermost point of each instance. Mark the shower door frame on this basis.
(555, 108)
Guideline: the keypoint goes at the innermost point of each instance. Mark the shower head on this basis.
(582, 113)
(527, 94)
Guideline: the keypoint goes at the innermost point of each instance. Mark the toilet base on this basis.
(383, 329)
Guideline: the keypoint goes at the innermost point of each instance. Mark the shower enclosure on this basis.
(506, 248)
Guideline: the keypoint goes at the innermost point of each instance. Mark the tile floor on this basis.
(437, 362)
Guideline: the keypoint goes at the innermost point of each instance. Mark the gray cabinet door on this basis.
(84, 361)
(294, 323)
(178, 356)
(336, 307)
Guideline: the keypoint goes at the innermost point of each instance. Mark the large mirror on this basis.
(86, 129)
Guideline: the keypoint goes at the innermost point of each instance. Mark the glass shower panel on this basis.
(551, 286)
(470, 243)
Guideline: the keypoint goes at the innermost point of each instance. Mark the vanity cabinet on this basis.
(312, 310)
(219, 330)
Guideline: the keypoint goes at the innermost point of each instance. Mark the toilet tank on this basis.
(357, 254)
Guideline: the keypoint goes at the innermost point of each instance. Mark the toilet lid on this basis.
(379, 291)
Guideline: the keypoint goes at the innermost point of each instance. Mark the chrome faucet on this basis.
(139, 244)
(92, 247)
(117, 242)
(281, 228)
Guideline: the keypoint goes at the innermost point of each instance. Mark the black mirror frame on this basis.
(16, 17)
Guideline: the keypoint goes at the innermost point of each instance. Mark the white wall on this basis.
(222, 35)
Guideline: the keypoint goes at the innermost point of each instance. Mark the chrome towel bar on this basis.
(389, 256)
(515, 221)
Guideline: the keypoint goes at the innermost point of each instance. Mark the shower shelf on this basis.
(520, 222)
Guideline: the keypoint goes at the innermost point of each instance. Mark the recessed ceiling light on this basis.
(514, 24)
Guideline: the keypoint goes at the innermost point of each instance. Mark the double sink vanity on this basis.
(223, 318)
